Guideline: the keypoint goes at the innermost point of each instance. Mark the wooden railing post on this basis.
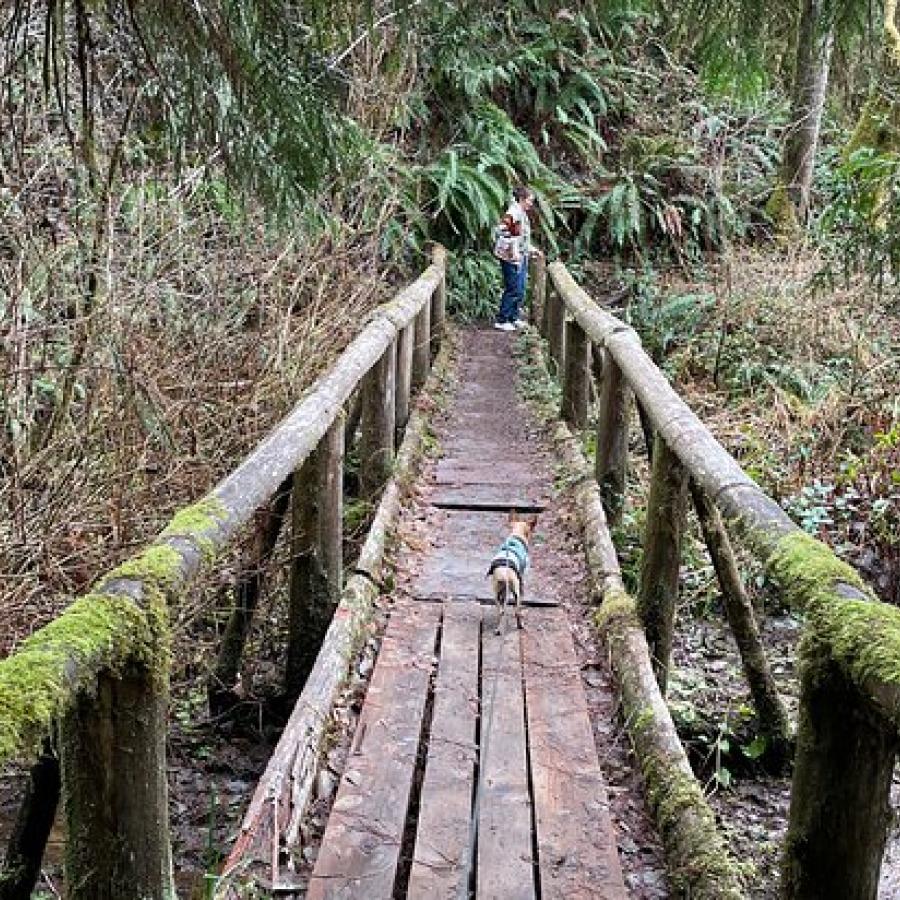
(316, 553)
(247, 591)
(666, 512)
(556, 328)
(421, 347)
(577, 382)
(404, 379)
(840, 795)
(538, 290)
(376, 441)
(774, 724)
(438, 300)
(611, 464)
(113, 762)
(21, 869)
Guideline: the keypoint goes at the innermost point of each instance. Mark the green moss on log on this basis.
(808, 571)
(685, 821)
(98, 632)
(618, 607)
(862, 637)
(196, 523)
(52, 666)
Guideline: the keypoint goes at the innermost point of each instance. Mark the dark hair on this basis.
(521, 191)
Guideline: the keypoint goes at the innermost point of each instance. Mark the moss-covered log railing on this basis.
(849, 724)
(98, 674)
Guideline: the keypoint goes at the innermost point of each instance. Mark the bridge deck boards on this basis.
(575, 847)
(509, 741)
(440, 860)
(504, 807)
(361, 847)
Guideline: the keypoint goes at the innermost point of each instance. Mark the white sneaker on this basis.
(504, 326)
(520, 323)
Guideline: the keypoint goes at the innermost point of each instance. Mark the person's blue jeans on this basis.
(515, 278)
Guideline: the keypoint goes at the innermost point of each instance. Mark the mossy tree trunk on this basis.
(879, 122)
(22, 865)
(815, 40)
(840, 797)
(666, 512)
(113, 759)
(771, 713)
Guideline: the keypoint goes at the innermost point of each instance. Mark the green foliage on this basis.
(861, 224)
(858, 511)
(474, 285)
(668, 321)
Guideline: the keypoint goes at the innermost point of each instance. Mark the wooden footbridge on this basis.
(472, 771)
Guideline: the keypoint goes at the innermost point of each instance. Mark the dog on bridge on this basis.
(509, 564)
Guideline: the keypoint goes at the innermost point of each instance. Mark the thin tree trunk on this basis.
(814, 45)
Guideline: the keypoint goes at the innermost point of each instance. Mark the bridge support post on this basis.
(539, 291)
(611, 463)
(404, 379)
(840, 795)
(666, 513)
(577, 382)
(438, 301)
(774, 724)
(556, 328)
(316, 553)
(20, 870)
(422, 347)
(113, 762)
(376, 443)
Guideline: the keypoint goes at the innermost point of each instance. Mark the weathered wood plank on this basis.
(440, 859)
(361, 847)
(576, 841)
(505, 870)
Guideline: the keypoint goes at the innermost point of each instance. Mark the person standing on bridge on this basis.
(512, 246)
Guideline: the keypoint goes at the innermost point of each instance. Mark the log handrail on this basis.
(195, 535)
(851, 648)
(107, 655)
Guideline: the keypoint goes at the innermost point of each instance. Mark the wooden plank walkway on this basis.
(473, 772)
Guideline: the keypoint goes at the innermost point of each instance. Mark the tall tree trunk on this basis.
(815, 40)
(879, 122)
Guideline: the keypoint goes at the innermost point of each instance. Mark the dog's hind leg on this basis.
(503, 592)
